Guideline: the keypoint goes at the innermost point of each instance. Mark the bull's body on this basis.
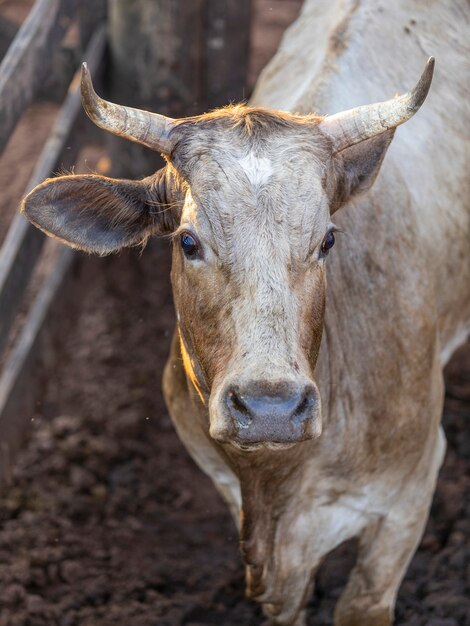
(310, 445)
(398, 305)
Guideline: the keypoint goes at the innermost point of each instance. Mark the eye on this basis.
(190, 245)
(328, 242)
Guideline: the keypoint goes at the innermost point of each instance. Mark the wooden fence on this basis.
(206, 67)
(24, 68)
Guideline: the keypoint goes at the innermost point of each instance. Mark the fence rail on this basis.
(24, 67)
(23, 243)
(28, 59)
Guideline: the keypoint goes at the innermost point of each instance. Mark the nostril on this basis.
(304, 409)
(238, 409)
(300, 410)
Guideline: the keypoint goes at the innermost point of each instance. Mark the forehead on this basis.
(254, 172)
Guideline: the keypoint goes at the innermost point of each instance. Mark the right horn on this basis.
(149, 129)
(350, 127)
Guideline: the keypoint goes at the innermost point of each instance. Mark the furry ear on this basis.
(356, 168)
(98, 214)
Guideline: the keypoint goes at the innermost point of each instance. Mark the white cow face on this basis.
(249, 270)
(247, 196)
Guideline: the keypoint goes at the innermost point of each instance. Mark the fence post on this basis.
(157, 53)
(90, 14)
(228, 48)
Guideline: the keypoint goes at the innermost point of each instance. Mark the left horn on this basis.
(149, 129)
(350, 127)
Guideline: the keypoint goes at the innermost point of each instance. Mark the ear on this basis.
(356, 168)
(99, 214)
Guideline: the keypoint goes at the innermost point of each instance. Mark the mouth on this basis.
(263, 445)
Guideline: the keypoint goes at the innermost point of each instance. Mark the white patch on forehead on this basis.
(258, 170)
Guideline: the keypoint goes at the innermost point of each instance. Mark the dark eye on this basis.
(189, 245)
(328, 242)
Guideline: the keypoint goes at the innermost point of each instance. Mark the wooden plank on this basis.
(18, 383)
(227, 50)
(23, 242)
(90, 14)
(26, 63)
(157, 53)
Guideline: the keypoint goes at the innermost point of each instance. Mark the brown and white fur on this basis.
(258, 189)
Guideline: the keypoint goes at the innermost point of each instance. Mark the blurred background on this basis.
(104, 519)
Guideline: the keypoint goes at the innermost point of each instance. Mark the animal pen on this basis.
(103, 518)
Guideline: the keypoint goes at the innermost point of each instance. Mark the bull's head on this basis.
(247, 195)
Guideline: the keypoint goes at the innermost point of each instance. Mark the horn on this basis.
(149, 129)
(350, 127)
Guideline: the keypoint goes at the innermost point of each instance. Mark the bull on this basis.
(315, 413)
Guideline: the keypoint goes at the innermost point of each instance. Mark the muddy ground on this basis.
(109, 522)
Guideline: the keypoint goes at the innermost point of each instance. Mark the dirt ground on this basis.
(109, 522)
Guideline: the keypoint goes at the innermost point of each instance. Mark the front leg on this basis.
(302, 542)
(284, 541)
(386, 548)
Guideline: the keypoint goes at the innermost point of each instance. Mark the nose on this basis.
(281, 412)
